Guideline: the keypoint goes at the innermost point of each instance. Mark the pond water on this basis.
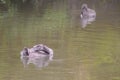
(80, 53)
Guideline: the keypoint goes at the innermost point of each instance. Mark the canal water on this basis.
(83, 49)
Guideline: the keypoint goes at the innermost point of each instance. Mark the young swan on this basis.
(87, 12)
(40, 55)
(37, 51)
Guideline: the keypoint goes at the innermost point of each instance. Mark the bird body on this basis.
(87, 12)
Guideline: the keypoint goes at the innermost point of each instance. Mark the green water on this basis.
(90, 53)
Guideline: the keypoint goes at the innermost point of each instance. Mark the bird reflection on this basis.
(39, 55)
(87, 15)
(86, 20)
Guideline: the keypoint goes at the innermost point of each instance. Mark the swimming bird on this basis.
(40, 55)
(36, 51)
(87, 12)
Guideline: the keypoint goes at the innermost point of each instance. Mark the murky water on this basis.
(80, 53)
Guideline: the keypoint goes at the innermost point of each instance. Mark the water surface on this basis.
(89, 53)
